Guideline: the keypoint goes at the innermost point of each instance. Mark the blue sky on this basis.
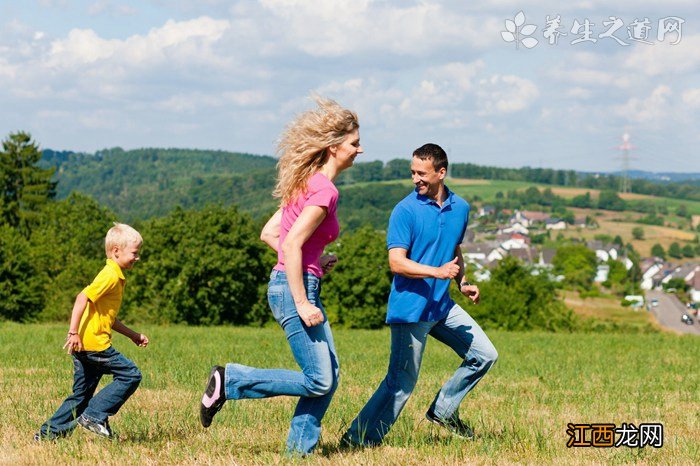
(210, 74)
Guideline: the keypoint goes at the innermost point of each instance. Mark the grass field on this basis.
(519, 412)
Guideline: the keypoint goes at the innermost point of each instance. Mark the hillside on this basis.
(145, 183)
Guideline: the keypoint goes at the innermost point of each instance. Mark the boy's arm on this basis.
(73, 341)
(138, 338)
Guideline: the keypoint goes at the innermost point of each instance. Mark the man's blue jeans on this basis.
(314, 351)
(458, 331)
(88, 369)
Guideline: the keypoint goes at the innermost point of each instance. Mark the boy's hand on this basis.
(73, 343)
(140, 339)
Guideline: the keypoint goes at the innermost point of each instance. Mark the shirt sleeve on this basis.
(324, 197)
(400, 229)
(103, 283)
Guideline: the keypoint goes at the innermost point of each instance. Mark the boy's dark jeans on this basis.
(89, 367)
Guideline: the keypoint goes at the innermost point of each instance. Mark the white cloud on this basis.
(653, 108)
(691, 97)
(330, 29)
(665, 59)
(505, 94)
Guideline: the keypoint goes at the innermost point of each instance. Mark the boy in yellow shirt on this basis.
(89, 341)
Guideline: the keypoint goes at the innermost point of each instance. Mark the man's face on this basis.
(424, 176)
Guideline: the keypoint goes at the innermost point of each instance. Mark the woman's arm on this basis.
(304, 226)
(270, 233)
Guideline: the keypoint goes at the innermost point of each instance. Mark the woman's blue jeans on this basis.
(315, 353)
(88, 369)
(460, 332)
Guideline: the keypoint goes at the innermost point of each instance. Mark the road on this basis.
(669, 311)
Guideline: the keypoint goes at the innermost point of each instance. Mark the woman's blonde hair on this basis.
(303, 145)
(121, 235)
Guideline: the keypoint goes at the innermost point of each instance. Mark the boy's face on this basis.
(126, 257)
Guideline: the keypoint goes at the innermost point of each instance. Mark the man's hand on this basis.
(471, 292)
(328, 262)
(448, 269)
(73, 343)
(310, 314)
(140, 340)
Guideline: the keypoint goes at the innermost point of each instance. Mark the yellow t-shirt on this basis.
(105, 296)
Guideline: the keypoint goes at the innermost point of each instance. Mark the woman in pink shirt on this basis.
(314, 149)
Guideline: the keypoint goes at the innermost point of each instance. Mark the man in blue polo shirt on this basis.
(425, 230)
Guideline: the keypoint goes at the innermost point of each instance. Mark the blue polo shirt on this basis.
(429, 233)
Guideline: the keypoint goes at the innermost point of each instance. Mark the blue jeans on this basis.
(88, 369)
(458, 331)
(313, 350)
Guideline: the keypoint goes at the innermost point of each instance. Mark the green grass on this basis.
(519, 411)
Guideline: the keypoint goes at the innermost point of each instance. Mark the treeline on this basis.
(205, 266)
(147, 183)
(400, 169)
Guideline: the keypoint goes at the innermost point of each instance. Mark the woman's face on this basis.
(346, 151)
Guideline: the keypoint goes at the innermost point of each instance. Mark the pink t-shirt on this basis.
(320, 192)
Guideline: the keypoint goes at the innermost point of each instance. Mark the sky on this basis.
(86, 75)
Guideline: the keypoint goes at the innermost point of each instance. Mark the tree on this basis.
(609, 200)
(688, 251)
(674, 250)
(515, 299)
(658, 251)
(20, 286)
(198, 267)
(24, 186)
(582, 201)
(68, 248)
(577, 263)
(356, 292)
(638, 233)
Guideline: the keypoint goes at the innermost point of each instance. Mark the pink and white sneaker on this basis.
(214, 396)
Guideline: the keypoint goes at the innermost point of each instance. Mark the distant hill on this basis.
(144, 183)
(672, 177)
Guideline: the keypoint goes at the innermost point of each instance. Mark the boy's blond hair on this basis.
(121, 235)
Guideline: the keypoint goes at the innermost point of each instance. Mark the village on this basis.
(487, 242)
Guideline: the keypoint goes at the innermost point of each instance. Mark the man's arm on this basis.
(402, 265)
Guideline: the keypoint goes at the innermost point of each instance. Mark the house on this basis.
(534, 216)
(521, 218)
(695, 287)
(603, 252)
(527, 255)
(476, 252)
(485, 211)
(650, 269)
(686, 272)
(546, 256)
(602, 272)
(495, 255)
(555, 224)
(516, 241)
(516, 227)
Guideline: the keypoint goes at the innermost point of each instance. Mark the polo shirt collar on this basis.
(426, 200)
(114, 266)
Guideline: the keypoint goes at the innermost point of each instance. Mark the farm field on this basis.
(520, 410)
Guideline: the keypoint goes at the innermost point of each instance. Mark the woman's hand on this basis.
(310, 314)
(328, 262)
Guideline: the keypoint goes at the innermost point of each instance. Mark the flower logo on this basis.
(517, 31)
